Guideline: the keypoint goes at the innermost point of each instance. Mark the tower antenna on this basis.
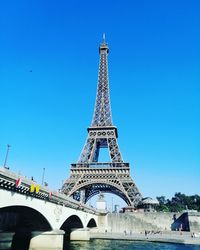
(104, 38)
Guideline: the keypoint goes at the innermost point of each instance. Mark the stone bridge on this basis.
(26, 207)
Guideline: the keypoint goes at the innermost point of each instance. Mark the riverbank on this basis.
(166, 237)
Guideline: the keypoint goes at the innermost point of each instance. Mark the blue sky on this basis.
(48, 76)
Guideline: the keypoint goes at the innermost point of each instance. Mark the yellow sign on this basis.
(37, 188)
(32, 188)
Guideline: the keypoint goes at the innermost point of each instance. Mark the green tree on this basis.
(179, 203)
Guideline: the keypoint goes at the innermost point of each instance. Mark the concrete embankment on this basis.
(167, 237)
(164, 227)
(149, 221)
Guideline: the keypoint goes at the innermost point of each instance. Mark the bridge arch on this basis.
(15, 218)
(91, 223)
(71, 222)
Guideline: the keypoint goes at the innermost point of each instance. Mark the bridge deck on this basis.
(8, 181)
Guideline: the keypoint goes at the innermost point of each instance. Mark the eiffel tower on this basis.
(89, 177)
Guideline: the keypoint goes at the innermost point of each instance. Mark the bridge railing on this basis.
(8, 180)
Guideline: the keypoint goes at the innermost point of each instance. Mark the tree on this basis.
(179, 203)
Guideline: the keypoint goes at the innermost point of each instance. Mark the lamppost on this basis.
(43, 176)
(6, 158)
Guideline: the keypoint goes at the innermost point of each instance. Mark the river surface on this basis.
(126, 245)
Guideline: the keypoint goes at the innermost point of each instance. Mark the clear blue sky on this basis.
(154, 64)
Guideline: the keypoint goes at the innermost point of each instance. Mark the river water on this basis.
(126, 245)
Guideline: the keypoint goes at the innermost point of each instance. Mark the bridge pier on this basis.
(80, 234)
(50, 240)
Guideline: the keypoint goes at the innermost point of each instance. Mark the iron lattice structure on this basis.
(88, 177)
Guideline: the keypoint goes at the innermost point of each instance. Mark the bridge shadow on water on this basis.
(21, 240)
